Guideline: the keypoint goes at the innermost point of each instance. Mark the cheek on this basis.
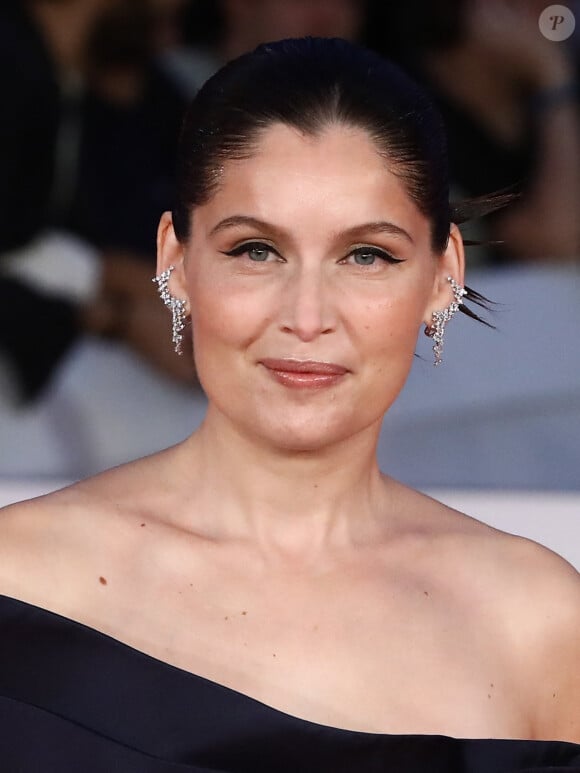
(224, 316)
(392, 325)
(388, 341)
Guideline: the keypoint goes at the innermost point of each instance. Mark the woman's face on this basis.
(322, 219)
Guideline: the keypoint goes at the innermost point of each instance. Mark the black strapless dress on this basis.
(75, 700)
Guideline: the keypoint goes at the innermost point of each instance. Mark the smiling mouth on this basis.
(306, 367)
(304, 379)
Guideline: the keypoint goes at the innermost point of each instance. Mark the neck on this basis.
(293, 503)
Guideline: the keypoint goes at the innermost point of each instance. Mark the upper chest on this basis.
(399, 641)
(376, 650)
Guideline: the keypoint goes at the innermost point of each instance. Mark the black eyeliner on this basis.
(380, 253)
(241, 248)
(377, 251)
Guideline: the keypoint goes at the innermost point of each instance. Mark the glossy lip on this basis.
(304, 366)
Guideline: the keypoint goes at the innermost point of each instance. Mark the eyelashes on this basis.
(249, 247)
(378, 253)
(266, 248)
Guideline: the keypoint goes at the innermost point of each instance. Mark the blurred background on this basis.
(93, 95)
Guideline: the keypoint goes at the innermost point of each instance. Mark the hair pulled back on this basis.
(310, 84)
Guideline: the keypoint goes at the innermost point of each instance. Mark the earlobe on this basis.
(451, 263)
(448, 291)
(436, 330)
(170, 253)
(176, 306)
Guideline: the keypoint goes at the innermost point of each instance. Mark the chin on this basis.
(303, 436)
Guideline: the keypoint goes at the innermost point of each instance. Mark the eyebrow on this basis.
(376, 226)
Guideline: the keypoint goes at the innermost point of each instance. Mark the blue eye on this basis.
(373, 252)
(259, 250)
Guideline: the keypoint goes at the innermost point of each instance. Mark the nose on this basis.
(306, 306)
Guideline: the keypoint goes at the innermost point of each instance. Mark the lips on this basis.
(304, 366)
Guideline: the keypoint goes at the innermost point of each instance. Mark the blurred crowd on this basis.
(94, 92)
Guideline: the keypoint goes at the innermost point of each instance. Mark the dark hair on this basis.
(309, 83)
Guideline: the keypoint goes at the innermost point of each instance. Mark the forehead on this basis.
(335, 174)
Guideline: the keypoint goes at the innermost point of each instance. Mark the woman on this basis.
(261, 596)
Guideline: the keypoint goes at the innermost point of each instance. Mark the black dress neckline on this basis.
(78, 690)
(154, 662)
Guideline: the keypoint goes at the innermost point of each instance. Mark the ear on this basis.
(450, 263)
(170, 252)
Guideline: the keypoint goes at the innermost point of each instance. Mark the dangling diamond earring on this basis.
(436, 330)
(175, 305)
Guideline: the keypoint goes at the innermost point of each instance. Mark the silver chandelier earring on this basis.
(436, 330)
(175, 305)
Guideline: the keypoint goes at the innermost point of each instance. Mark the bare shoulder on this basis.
(530, 597)
(544, 618)
(513, 557)
(46, 543)
(536, 584)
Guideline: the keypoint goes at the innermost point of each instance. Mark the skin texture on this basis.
(267, 551)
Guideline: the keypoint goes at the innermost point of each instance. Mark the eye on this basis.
(368, 254)
(257, 251)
